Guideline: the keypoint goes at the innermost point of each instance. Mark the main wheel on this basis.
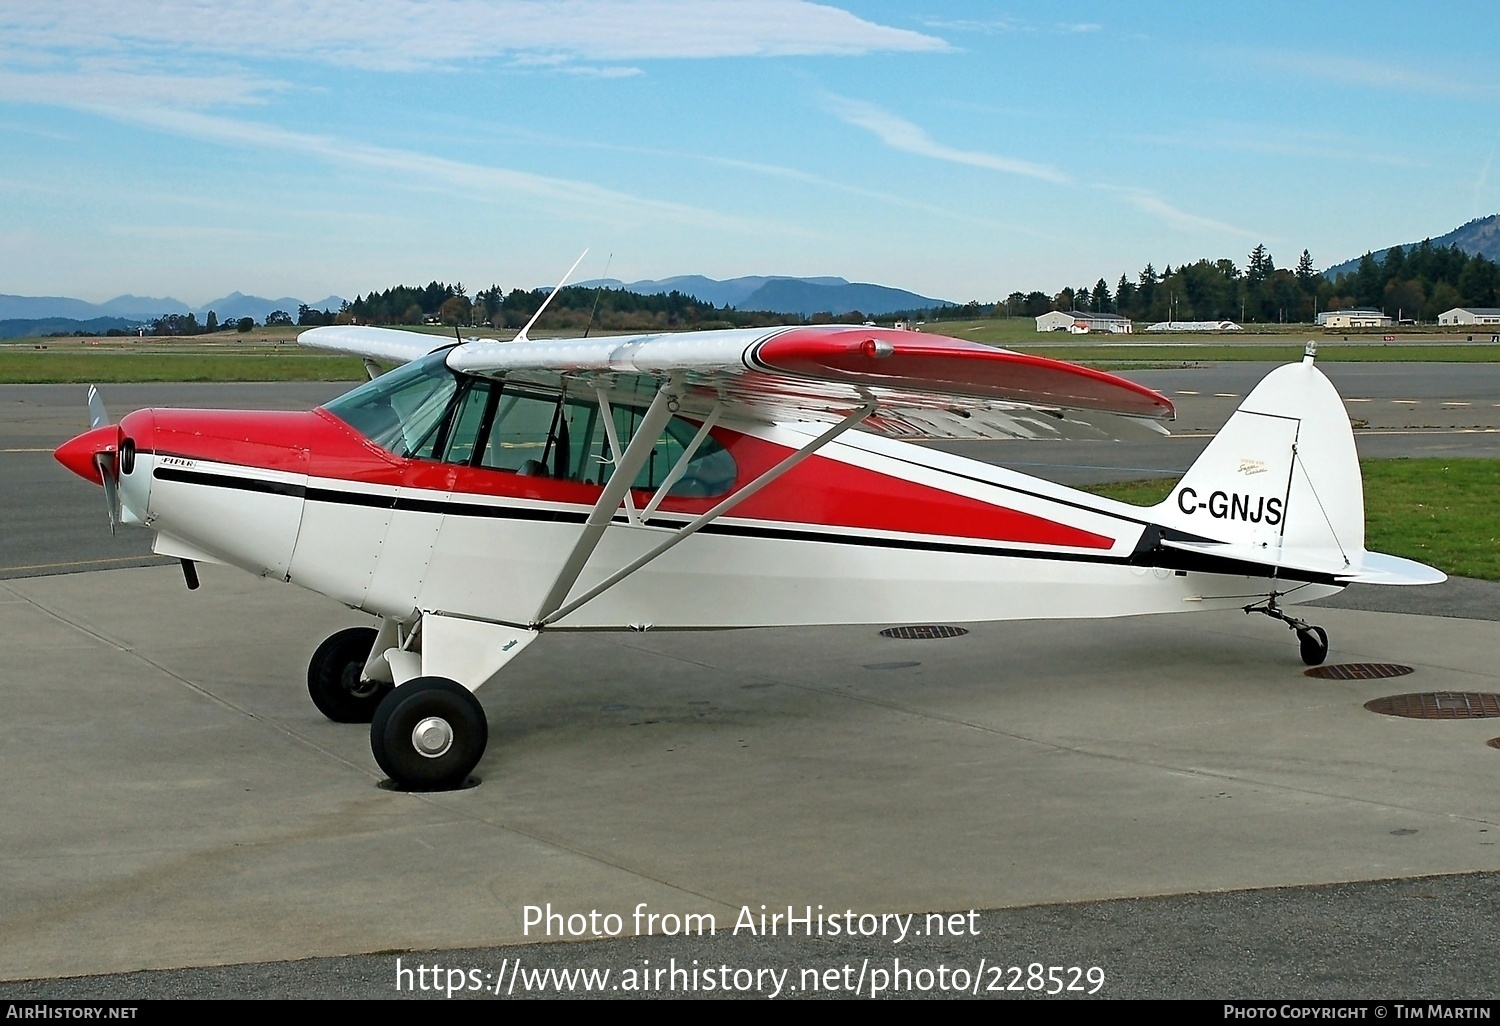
(1314, 641)
(429, 734)
(334, 677)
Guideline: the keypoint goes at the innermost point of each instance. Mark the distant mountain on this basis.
(780, 294)
(37, 307)
(787, 295)
(1481, 236)
(30, 326)
(146, 308)
(236, 305)
(141, 308)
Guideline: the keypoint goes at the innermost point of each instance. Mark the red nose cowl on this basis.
(77, 454)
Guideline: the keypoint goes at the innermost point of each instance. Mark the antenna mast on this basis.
(521, 335)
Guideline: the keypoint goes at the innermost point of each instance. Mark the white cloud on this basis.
(1005, 23)
(1323, 144)
(1373, 72)
(99, 82)
(474, 182)
(1181, 219)
(901, 134)
(406, 34)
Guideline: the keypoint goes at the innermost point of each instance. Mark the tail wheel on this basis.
(429, 734)
(1314, 641)
(335, 677)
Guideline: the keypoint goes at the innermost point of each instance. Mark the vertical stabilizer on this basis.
(1282, 477)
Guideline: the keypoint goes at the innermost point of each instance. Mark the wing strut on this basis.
(627, 465)
(682, 462)
(691, 528)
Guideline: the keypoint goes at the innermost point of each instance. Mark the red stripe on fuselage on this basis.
(819, 492)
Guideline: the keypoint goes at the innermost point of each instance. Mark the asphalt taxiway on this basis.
(1167, 798)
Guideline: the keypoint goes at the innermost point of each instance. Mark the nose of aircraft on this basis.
(77, 454)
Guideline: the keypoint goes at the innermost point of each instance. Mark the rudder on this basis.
(1281, 478)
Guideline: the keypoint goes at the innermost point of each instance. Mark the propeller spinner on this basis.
(95, 455)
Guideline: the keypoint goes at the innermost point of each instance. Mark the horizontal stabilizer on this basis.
(1378, 568)
(1366, 567)
(1317, 561)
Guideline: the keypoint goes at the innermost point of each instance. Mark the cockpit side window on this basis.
(468, 427)
(424, 411)
(527, 437)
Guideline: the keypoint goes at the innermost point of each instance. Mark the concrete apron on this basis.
(172, 797)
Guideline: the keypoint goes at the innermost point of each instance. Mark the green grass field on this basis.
(29, 367)
(1444, 512)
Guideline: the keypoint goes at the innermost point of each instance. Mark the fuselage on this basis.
(452, 508)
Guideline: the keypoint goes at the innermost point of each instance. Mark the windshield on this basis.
(402, 410)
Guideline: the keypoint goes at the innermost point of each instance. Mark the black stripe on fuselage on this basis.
(1147, 551)
(342, 498)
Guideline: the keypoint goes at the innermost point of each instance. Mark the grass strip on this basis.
(30, 368)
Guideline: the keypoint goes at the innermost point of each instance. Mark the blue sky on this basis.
(962, 150)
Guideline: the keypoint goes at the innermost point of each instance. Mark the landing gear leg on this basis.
(430, 732)
(1312, 639)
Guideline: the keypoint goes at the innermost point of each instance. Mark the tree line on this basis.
(575, 308)
(1416, 283)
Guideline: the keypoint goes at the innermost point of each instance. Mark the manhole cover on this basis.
(1358, 671)
(1439, 705)
(924, 632)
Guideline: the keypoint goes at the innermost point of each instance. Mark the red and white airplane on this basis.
(486, 493)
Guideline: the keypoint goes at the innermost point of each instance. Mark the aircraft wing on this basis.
(388, 345)
(926, 385)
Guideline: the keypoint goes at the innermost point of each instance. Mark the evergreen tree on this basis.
(1306, 274)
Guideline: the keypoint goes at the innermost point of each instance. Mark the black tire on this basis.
(1314, 642)
(446, 706)
(333, 677)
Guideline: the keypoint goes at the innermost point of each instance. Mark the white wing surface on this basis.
(925, 385)
(387, 345)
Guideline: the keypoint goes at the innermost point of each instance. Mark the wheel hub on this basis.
(356, 685)
(432, 737)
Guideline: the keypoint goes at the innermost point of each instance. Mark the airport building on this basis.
(1359, 318)
(1194, 326)
(1080, 323)
(1470, 315)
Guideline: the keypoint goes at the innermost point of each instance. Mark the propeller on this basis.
(107, 459)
